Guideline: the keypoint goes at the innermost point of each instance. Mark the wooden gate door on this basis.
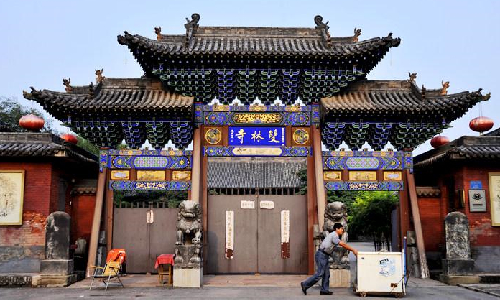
(144, 241)
(257, 235)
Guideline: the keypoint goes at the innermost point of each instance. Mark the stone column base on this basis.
(49, 280)
(457, 279)
(192, 278)
(340, 278)
(56, 266)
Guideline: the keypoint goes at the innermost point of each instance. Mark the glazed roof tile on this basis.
(114, 96)
(25, 144)
(397, 98)
(465, 147)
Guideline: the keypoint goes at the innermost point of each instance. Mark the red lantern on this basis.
(31, 122)
(69, 138)
(439, 141)
(481, 124)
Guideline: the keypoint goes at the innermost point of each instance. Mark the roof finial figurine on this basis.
(324, 29)
(91, 89)
(444, 90)
(357, 33)
(158, 33)
(99, 73)
(412, 76)
(191, 27)
(423, 91)
(68, 88)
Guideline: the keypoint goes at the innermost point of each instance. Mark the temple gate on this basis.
(325, 98)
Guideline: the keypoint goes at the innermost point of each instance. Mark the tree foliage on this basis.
(11, 111)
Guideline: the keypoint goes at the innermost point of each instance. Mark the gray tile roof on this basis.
(466, 147)
(26, 144)
(397, 98)
(254, 172)
(114, 97)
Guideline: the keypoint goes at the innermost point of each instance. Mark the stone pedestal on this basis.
(56, 266)
(458, 266)
(50, 280)
(190, 278)
(459, 279)
(340, 278)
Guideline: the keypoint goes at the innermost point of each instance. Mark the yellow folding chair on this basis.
(107, 273)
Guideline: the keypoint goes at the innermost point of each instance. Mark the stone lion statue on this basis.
(188, 223)
(336, 212)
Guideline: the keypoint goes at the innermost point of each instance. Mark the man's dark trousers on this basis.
(323, 270)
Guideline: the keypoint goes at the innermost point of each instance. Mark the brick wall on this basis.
(481, 231)
(82, 212)
(22, 247)
(432, 222)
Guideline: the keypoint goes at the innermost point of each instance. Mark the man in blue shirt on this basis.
(331, 241)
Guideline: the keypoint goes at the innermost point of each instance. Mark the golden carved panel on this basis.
(213, 136)
(300, 136)
(148, 175)
(362, 175)
(332, 175)
(181, 175)
(120, 174)
(393, 176)
(257, 118)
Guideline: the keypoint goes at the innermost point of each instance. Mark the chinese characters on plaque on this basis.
(256, 136)
(229, 234)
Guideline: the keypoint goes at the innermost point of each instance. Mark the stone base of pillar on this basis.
(459, 267)
(56, 266)
(191, 278)
(340, 278)
(456, 279)
(50, 280)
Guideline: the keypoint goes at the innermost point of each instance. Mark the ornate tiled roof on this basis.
(25, 144)
(257, 47)
(114, 98)
(254, 172)
(399, 100)
(465, 147)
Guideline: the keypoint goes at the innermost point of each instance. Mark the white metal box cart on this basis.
(380, 273)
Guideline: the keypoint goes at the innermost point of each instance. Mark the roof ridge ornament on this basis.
(412, 77)
(357, 33)
(324, 30)
(91, 90)
(159, 37)
(444, 90)
(191, 27)
(99, 77)
(66, 82)
(423, 91)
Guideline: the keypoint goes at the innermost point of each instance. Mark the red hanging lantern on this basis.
(439, 141)
(69, 138)
(31, 122)
(481, 124)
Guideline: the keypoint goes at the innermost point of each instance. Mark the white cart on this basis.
(380, 273)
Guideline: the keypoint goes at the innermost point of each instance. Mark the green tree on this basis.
(87, 146)
(11, 111)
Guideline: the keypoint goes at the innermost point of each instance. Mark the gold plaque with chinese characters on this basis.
(146, 175)
(393, 176)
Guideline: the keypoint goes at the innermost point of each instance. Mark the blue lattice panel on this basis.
(290, 86)
(101, 133)
(264, 108)
(364, 186)
(144, 152)
(332, 134)
(267, 89)
(135, 133)
(247, 86)
(225, 86)
(157, 134)
(181, 133)
(315, 114)
(356, 135)
(149, 185)
(379, 135)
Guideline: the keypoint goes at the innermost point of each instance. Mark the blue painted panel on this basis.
(256, 136)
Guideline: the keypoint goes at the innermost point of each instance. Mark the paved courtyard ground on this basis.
(249, 286)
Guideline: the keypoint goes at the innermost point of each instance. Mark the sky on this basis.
(456, 41)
